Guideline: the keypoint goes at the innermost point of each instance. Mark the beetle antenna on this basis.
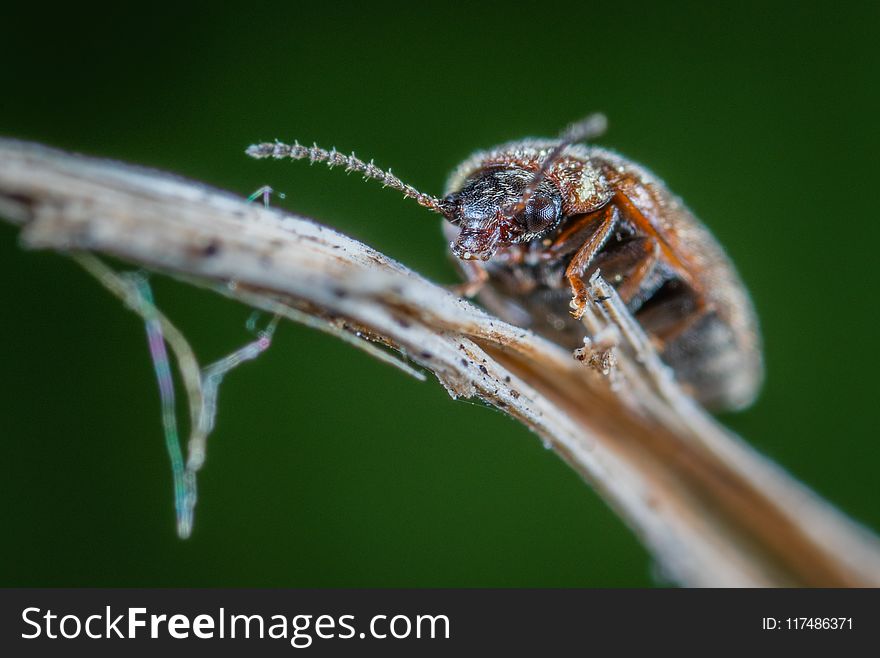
(333, 158)
(588, 128)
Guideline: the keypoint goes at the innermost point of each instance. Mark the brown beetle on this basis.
(530, 222)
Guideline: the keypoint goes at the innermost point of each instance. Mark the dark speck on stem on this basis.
(211, 249)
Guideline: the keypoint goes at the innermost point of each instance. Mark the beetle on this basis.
(530, 221)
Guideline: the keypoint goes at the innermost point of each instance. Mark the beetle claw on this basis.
(578, 304)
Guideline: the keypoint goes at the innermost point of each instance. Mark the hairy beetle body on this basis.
(668, 268)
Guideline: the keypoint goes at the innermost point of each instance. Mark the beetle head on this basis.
(489, 209)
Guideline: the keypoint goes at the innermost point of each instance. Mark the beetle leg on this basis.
(476, 276)
(573, 236)
(631, 213)
(601, 229)
(700, 308)
(629, 266)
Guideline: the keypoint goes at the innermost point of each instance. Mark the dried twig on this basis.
(710, 509)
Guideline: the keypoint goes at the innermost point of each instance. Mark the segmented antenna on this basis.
(333, 158)
(587, 128)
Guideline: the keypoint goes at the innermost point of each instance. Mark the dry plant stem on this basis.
(709, 508)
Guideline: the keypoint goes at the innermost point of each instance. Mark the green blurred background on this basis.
(328, 468)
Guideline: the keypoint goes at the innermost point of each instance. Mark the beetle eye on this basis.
(449, 207)
(541, 213)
